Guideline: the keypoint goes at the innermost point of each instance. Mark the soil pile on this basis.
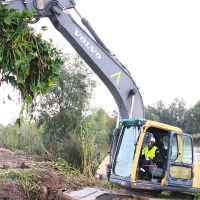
(22, 177)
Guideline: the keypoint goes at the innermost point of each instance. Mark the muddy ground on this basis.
(50, 180)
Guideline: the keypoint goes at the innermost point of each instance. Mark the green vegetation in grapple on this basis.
(27, 62)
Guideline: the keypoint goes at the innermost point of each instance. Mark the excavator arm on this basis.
(100, 59)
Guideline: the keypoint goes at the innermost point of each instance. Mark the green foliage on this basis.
(63, 108)
(157, 112)
(63, 165)
(30, 184)
(9, 137)
(27, 62)
(197, 196)
(86, 143)
(10, 175)
(66, 170)
(175, 114)
(193, 116)
(27, 138)
(101, 125)
(29, 181)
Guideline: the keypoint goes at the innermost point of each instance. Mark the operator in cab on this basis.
(150, 152)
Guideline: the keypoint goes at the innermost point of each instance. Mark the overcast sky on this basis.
(157, 41)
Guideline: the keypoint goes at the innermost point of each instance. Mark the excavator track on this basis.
(103, 194)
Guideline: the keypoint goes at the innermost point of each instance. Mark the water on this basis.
(197, 154)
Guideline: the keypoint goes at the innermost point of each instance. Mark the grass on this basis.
(28, 178)
(62, 166)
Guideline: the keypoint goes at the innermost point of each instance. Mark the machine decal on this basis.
(87, 44)
(40, 4)
(118, 74)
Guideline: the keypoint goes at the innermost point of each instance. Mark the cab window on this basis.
(181, 157)
(125, 155)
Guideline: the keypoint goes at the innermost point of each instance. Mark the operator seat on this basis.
(157, 166)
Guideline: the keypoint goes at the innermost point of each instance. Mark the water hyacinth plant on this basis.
(27, 62)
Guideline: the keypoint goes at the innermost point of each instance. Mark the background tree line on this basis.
(67, 126)
(176, 114)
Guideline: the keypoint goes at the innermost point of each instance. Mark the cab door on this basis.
(180, 160)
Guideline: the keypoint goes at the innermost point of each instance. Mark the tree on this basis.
(157, 112)
(93, 135)
(150, 114)
(65, 106)
(174, 115)
(177, 113)
(193, 116)
(101, 125)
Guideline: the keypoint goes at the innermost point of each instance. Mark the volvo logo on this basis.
(87, 44)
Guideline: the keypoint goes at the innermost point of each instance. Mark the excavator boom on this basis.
(102, 61)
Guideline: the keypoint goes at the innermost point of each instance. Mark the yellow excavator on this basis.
(176, 172)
